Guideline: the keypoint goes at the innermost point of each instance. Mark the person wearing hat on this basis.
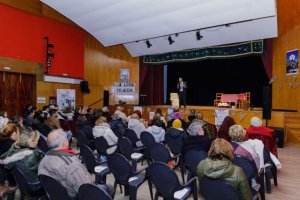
(257, 130)
(197, 140)
(176, 132)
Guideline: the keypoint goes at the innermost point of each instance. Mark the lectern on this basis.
(174, 100)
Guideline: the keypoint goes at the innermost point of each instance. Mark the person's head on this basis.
(237, 133)
(220, 149)
(115, 117)
(195, 128)
(105, 109)
(46, 108)
(3, 113)
(256, 122)
(120, 108)
(180, 79)
(135, 116)
(159, 111)
(29, 138)
(57, 139)
(177, 124)
(138, 113)
(17, 120)
(100, 120)
(10, 131)
(199, 115)
(177, 115)
(53, 113)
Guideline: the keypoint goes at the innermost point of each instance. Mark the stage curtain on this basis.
(217, 52)
(267, 57)
(151, 83)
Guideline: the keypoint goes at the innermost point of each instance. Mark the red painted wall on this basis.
(22, 37)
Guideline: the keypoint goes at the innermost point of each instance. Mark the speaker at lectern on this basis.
(174, 100)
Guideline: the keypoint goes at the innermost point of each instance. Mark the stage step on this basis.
(292, 128)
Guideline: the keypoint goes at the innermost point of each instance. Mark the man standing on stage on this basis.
(181, 87)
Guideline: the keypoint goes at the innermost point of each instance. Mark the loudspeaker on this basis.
(84, 86)
(267, 102)
(105, 98)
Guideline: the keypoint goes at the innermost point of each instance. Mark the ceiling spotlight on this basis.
(171, 41)
(148, 44)
(198, 35)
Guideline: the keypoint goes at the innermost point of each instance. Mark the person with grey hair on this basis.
(63, 165)
(197, 140)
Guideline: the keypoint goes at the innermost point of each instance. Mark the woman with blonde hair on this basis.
(25, 155)
(218, 165)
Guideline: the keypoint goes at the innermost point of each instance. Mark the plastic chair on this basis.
(102, 146)
(251, 172)
(213, 189)
(167, 184)
(147, 140)
(191, 160)
(124, 175)
(131, 135)
(34, 190)
(54, 189)
(93, 166)
(92, 192)
(130, 153)
(82, 140)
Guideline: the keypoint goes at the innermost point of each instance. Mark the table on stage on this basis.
(232, 98)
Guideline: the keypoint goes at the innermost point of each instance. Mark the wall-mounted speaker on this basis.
(267, 102)
(84, 87)
(105, 98)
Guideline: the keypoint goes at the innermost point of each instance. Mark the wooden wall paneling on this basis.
(286, 89)
(102, 69)
(47, 89)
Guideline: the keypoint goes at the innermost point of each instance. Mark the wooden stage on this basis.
(240, 116)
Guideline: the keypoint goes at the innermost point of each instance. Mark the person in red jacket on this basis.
(265, 134)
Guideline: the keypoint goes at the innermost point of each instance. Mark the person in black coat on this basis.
(197, 140)
(181, 88)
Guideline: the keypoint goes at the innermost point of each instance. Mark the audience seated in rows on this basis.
(102, 129)
(117, 124)
(219, 165)
(64, 166)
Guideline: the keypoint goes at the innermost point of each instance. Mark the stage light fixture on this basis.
(198, 35)
(148, 44)
(171, 41)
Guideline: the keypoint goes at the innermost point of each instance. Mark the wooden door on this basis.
(16, 91)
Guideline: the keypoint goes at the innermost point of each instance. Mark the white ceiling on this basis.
(115, 22)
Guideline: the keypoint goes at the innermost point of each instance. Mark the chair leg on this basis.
(134, 164)
(150, 189)
(262, 186)
(268, 181)
(156, 196)
(194, 190)
(274, 174)
(126, 190)
(132, 192)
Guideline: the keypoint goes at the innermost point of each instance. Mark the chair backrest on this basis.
(88, 158)
(131, 135)
(211, 131)
(81, 138)
(92, 192)
(126, 147)
(54, 189)
(24, 185)
(160, 153)
(192, 159)
(164, 179)
(117, 132)
(42, 144)
(248, 167)
(147, 139)
(101, 145)
(120, 168)
(213, 189)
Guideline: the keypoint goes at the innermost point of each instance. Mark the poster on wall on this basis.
(66, 98)
(292, 58)
(124, 75)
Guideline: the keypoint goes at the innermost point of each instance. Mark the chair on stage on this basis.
(217, 100)
(244, 102)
